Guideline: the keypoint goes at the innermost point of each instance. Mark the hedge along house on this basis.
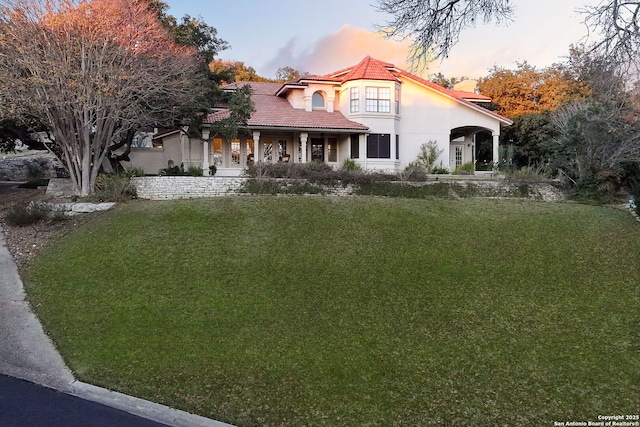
(374, 113)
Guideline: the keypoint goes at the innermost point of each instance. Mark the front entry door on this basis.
(457, 155)
(317, 150)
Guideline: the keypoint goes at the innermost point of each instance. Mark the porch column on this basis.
(257, 149)
(362, 142)
(243, 152)
(185, 148)
(205, 154)
(275, 146)
(496, 151)
(304, 137)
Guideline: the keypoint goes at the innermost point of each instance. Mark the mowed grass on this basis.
(314, 311)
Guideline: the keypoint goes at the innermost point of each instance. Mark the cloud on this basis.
(480, 50)
(345, 47)
(285, 56)
(349, 45)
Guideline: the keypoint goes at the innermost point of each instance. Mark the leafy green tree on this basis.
(193, 32)
(13, 131)
(234, 71)
(240, 109)
(427, 157)
(530, 135)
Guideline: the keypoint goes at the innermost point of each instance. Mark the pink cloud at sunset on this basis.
(345, 47)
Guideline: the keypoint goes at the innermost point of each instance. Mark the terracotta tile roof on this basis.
(372, 69)
(273, 111)
(220, 104)
(258, 88)
(217, 116)
(276, 112)
(369, 69)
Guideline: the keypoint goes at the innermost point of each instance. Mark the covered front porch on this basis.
(232, 157)
(476, 145)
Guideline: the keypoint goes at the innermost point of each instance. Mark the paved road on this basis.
(24, 404)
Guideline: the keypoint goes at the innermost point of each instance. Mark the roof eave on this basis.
(286, 87)
(308, 129)
(161, 135)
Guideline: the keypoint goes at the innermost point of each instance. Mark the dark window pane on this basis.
(355, 146)
(379, 146)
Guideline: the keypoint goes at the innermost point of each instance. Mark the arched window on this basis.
(318, 100)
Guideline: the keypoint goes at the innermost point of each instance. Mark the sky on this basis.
(324, 36)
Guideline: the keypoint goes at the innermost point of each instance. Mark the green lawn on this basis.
(320, 311)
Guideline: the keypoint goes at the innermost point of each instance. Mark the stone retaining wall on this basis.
(185, 187)
(501, 188)
(190, 187)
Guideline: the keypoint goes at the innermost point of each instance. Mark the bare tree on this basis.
(434, 26)
(287, 73)
(596, 142)
(615, 24)
(599, 135)
(90, 71)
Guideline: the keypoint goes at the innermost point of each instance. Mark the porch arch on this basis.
(475, 144)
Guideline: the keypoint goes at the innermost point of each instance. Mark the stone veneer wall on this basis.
(185, 187)
(190, 187)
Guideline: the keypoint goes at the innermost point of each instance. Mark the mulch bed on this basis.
(25, 241)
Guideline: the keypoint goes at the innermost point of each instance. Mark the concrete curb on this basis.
(143, 408)
(27, 353)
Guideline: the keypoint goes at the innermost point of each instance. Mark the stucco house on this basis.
(373, 112)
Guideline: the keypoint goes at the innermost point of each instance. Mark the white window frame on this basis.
(377, 99)
(354, 99)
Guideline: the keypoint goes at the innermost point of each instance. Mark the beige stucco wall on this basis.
(177, 148)
(296, 99)
(151, 160)
(425, 115)
(428, 115)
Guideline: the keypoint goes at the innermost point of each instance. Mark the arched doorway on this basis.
(471, 144)
(484, 151)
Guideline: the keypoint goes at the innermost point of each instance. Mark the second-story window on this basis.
(355, 100)
(378, 100)
(317, 101)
